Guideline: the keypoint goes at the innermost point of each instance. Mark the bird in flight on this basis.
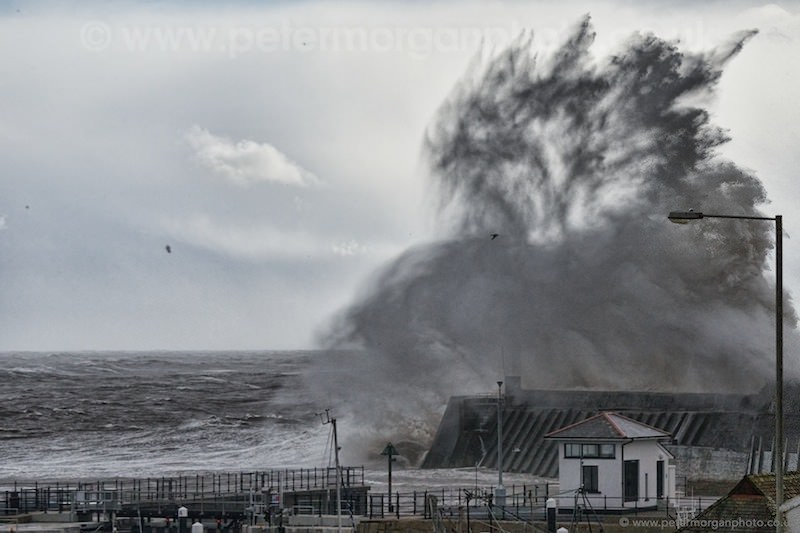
(168, 248)
(495, 235)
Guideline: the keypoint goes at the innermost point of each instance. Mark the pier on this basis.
(250, 498)
(238, 497)
(286, 501)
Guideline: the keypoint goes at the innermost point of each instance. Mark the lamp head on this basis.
(683, 217)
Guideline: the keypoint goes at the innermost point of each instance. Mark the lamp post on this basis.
(390, 451)
(500, 491)
(683, 217)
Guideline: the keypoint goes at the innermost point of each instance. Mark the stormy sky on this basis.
(279, 150)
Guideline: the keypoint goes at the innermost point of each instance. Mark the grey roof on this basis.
(608, 426)
(748, 507)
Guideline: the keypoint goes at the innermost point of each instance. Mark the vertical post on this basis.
(551, 515)
(778, 373)
(338, 479)
(469, 529)
(332, 421)
(390, 451)
(499, 434)
(183, 515)
(500, 491)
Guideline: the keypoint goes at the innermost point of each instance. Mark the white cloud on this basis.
(246, 162)
(350, 247)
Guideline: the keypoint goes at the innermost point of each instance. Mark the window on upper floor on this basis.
(574, 450)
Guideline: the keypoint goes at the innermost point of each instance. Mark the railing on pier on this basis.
(526, 502)
(254, 493)
(221, 492)
(521, 500)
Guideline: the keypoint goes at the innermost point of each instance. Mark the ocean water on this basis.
(106, 415)
(76, 415)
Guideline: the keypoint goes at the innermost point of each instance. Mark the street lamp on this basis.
(390, 451)
(684, 217)
(500, 491)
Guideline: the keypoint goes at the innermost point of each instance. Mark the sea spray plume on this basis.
(574, 163)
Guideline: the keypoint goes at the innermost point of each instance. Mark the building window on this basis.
(589, 451)
(589, 473)
(607, 451)
(572, 450)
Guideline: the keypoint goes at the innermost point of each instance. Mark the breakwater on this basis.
(722, 428)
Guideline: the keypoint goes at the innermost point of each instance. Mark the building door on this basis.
(630, 476)
(659, 479)
(589, 481)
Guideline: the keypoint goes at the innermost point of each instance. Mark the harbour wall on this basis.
(713, 435)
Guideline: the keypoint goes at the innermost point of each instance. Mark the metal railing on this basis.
(232, 492)
(522, 503)
(250, 493)
(522, 500)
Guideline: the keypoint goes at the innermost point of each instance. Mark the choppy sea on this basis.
(106, 415)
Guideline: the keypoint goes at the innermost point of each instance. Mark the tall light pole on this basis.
(500, 491)
(390, 451)
(683, 217)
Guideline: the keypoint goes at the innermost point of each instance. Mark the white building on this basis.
(791, 505)
(612, 462)
(791, 514)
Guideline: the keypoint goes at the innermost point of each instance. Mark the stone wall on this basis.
(694, 462)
